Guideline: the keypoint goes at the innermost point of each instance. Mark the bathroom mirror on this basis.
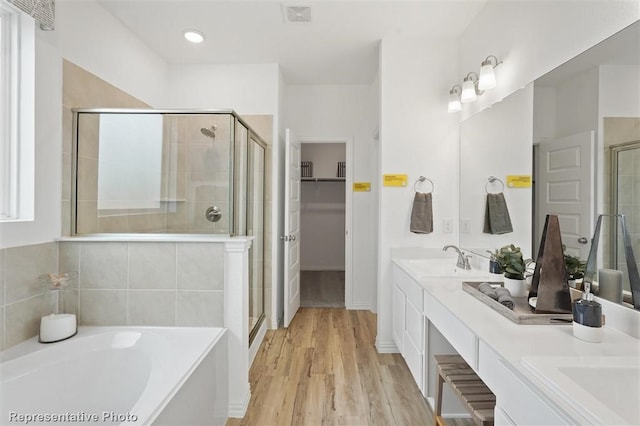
(592, 100)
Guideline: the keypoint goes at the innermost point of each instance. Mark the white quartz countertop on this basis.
(514, 342)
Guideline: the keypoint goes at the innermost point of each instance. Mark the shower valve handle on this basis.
(213, 214)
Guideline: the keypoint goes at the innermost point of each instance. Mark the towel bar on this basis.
(492, 179)
(422, 179)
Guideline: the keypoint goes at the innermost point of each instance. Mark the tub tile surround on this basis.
(24, 298)
(148, 283)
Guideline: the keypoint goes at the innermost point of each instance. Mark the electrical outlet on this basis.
(447, 226)
(465, 226)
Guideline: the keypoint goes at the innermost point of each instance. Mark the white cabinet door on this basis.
(397, 315)
(413, 342)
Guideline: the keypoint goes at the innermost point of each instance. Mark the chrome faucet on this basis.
(463, 260)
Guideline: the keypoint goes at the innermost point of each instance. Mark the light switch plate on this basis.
(465, 226)
(447, 226)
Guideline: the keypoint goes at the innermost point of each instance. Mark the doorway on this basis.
(324, 253)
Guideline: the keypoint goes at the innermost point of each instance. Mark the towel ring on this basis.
(492, 179)
(422, 179)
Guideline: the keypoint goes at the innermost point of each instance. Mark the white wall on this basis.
(577, 104)
(417, 137)
(90, 37)
(533, 37)
(346, 111)
(619, 91)
(80, 37)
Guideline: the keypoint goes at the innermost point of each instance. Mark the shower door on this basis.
(625, 199)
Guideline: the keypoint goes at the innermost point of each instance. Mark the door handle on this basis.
(284, 238)
(292, 238)
(583, 240)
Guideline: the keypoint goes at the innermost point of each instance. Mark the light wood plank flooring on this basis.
(324, 370)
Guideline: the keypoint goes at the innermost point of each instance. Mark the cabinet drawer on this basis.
(409, 286)
(519, 400)
(460, 337)
(414, 360)
(414, 324)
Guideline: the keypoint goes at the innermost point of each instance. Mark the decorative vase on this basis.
(517, 288)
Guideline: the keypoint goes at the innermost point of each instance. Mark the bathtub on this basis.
(118, 375)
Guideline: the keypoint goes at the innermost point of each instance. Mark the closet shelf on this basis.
(330, 179)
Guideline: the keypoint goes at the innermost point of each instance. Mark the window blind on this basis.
(42, 10)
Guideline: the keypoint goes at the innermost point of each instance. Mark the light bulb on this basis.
(193, 36)
(454, 102)
(468, 91)
(487, 78)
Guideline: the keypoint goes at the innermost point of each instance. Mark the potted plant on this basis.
(575, 268)
(512, 263)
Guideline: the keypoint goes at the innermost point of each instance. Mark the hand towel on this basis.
(496, 215)
(422, 214)
(504, 297)
(487, 290)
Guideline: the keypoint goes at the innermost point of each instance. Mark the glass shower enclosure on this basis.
(144, 171)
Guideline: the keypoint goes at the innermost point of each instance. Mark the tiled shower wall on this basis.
(118, 283)
(82, 89)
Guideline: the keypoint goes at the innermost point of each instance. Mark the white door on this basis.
(291, 227)
(566, 188)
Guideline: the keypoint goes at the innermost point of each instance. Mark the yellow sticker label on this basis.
(361, 186)
(519, 181)
(394, 180)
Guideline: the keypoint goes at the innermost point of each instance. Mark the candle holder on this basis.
(58, 325)
(632, 266)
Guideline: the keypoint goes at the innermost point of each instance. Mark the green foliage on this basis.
(511, 260)
(575, 267)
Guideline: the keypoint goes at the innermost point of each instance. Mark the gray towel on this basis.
(486, 289)
(422, 214)
(496, 215)
(504, 297)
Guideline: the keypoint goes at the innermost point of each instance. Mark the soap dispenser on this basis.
(587, 319)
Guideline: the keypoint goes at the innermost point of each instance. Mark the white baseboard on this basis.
(257, 341)
(387, 347)
(360, 306)
(237, 410)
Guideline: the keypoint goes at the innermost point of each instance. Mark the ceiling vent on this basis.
(296, 13)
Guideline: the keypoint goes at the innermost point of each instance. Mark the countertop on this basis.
(514, 342)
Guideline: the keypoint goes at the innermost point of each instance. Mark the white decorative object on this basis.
(517, 288)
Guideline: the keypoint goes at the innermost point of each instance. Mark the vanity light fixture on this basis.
(487, 78)
(469, 88)
(194, 36)
(454, 99)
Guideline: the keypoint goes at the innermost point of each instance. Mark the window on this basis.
(17, 72)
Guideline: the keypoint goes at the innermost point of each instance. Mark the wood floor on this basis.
(324, 370)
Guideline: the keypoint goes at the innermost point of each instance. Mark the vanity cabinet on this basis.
(518, 402)
(408, 324)
(424, 326)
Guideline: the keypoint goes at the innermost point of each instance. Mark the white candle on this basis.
(610, 284)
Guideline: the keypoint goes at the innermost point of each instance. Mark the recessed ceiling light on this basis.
(194, 36)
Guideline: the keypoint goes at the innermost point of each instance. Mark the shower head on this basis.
(209, 132)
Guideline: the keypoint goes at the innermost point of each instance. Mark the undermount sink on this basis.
(608, 387)
(441, 268)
